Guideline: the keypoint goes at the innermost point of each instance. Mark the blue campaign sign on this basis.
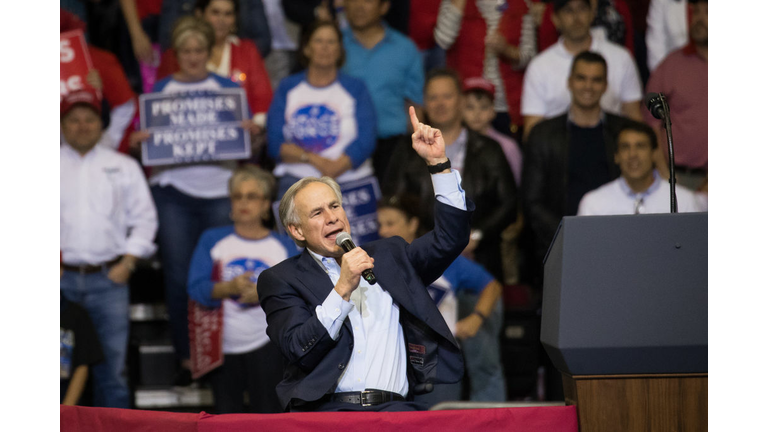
(359, 198)
(194, 127)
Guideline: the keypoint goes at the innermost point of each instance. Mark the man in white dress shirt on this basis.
(545, 86)
(108, 221)
(640, 189)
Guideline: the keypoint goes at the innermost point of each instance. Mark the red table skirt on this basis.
(529, 419)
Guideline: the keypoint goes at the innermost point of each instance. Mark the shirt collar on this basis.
(387, 35)
(634, 195)
(327, 263)
(570, 121)
(71, 152)
(597, 37)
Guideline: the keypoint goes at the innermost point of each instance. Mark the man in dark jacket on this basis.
(359, 345)
(487, 178)
(569, 155)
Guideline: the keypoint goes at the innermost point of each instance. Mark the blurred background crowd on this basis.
(540, 104)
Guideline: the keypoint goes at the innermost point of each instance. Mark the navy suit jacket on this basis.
(290, 291)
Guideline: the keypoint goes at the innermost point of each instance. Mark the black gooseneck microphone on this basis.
(657, 105)
(652, 101)
(344, 240)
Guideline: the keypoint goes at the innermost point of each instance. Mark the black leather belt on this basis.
(367, 397)
(89, 269)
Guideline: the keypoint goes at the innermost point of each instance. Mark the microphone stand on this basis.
(668, 129)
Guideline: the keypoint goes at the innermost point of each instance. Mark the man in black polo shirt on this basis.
(569, 155)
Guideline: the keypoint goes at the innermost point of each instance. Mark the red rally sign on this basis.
(75, 63)
(205, 338)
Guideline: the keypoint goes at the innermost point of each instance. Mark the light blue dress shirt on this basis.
(378, 357)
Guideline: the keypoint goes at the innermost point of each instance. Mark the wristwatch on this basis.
(434, 169)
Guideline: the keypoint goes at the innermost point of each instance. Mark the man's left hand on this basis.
(427, 141)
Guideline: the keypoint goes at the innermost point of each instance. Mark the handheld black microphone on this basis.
(652, 101)
(344, 240)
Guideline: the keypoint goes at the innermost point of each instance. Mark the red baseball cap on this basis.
(479, 83)
(81, 97)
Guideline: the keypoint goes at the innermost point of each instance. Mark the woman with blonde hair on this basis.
(192, 197)
(222, 279)
(321, 121)
(231, 57)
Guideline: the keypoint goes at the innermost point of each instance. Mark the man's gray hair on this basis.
(287, 210)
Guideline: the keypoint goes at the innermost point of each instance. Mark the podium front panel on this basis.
(627, 295)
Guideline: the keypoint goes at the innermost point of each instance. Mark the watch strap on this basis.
(434, 169)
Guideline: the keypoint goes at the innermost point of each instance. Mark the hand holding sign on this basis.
(94, 79)
(136, 138)
(195, 126)
(75, 64)
(251, 127)
(427, 141)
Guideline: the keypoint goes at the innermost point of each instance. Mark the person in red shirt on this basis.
(612, 16)
(109, 78)
(682, 76)
(483, 39)
(232, 57)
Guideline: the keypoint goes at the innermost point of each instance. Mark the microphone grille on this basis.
(650, 99)
(342, 237)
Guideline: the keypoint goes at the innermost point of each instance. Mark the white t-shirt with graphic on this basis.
(222, 255)
(330, 121)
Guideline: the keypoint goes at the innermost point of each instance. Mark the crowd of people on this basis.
(539, 104)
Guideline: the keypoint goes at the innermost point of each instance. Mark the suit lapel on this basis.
(310, 270)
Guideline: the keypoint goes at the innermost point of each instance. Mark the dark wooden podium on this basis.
(624, 319)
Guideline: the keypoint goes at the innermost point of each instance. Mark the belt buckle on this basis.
(362, 398)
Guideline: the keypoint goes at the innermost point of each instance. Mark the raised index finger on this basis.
(414, 120)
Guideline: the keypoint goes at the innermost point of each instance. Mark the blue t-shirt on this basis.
(393, 72)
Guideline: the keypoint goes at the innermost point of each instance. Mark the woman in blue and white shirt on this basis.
(190, 198)
(321, 121)
(223, 274)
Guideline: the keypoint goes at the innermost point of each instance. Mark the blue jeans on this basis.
(107, 306)
(483, 358)
(182, 219)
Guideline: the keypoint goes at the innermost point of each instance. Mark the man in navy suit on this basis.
(350, 345)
